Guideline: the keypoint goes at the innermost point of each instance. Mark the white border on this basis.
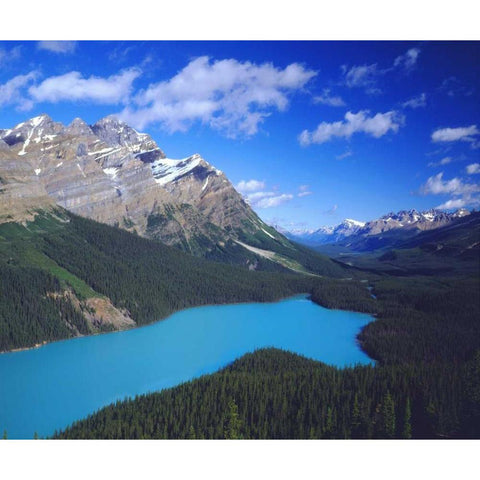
(243, 20)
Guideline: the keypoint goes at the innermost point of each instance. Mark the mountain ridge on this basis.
(113, 174)
(352, 232)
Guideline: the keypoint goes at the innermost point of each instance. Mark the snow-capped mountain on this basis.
(411, 219)
(353, 233)
(114, 174)
(327, 234)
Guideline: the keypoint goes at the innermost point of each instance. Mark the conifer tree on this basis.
(355, 418)
(388, 416)
(233, 423)
(407, 427)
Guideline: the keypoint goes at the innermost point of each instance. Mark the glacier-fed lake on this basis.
(48, 388)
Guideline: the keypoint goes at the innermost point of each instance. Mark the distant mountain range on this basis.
(364, 236)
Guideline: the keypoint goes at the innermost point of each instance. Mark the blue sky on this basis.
(309, 132)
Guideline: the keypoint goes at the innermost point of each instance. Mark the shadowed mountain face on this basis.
(113, 174)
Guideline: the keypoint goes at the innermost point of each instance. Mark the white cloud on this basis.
(73, 87)
(436, 185)
(443, 161)
(452, 204)
(361, 75)
(250, 186)
(473, 168)
(11, 91)
(376, 126)
(464, 194)
(465, 134)
(57, 46)
(273, 201)
(416, 102)
(326, 99)
(230, 96)
(7, 55)
(304, 191)
(408, 59)
(366, 76)
(346, 154)
(255, 195)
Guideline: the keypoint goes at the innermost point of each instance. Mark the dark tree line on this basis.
(147, 278)
(272, 394)
(32, 309)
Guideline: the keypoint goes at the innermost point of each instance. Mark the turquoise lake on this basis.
(48, 388)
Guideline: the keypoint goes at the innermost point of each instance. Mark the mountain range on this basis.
(382, 232)
(113, 174)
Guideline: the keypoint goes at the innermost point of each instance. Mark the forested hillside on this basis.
(53, 266)
(272, 394)
(426, 384)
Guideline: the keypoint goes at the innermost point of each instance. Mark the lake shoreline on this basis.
(307, 295)
(46, 342)
(47, 389)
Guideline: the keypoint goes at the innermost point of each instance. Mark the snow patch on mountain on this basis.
(166, 170)
(111, 172)
(354, 223)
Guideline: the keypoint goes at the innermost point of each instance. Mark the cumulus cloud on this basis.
(452, 204)
(230, 96)
(245, 186)
(267, 199)
(464, 194)
(73, 86)
(255, 194)
(436, 185)
(465, 134)
(57, 46)
(327, 99)
(416, 102)
(272, 200)
(473, 168)
(376, 126)
(11, 92)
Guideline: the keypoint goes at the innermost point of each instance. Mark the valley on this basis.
(66, 381)
(100, 232)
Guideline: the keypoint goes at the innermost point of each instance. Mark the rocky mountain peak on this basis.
(26, 134)
(79, 127)
(116, 133)
(114, 174)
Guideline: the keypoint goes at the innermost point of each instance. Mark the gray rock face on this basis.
(21, 192)
(408, 220)
(113, 174)
(116, 133)
(79, 128)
